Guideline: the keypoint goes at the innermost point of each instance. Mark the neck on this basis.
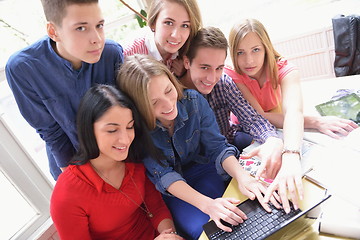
(106, 167)
(187, 81)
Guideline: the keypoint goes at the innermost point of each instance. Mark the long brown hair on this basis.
(192, 9)
(237, 34)
(134, 77)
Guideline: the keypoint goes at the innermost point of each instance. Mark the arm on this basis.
(70, 219)
(250, 119)
(269, 152)
(288, 177)
(220, 208)
(23, 83)
(330, 125)
(288, 180)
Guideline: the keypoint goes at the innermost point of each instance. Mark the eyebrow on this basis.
(85, 23)
(171, 19)
(116, 124)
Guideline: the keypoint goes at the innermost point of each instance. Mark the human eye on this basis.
(256, 50)
(112, 130)
(130, 126)
(240, 53)
(204, 68)
(169, 23)
(80, 29)
(220, 68)
(168, 91)
(101, 25)
(185, 25)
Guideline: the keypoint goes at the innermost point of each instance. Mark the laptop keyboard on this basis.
(258, 226)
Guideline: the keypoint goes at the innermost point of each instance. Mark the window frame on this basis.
(24, 174)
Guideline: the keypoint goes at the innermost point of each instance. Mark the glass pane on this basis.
(26, 135)
(14, 209)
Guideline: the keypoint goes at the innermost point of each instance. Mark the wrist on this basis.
(291, 151)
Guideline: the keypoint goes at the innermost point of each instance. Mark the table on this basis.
(336, 165)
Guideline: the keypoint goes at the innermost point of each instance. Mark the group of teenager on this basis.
(142, 140)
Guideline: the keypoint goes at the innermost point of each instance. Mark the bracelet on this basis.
(285, 150)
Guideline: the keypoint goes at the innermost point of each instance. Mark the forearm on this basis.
(233, 168)
(183, 191)
(311, 122)
(276, 119)
(293, 129)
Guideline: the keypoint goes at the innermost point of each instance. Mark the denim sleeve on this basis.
(250, 120)
(229, 151)
(214, 143)
(161, 174)
(35, 112)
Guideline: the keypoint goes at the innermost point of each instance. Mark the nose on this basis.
(249, 58)
(211, 77)
(96, 36)
(124, 138)
(175, 32)
(167, 104)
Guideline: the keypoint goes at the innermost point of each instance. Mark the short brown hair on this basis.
(207, 37)
(192, 9)
(134, 77)
(55, 10)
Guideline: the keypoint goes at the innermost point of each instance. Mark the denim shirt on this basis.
(196, 139)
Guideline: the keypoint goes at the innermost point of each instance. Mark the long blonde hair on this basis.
(237, 34)
(134, 77)
(191, 8)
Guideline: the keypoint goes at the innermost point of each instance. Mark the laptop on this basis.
(277, 224)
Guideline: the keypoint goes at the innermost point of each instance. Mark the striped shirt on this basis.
(146, 45)
(226, 98)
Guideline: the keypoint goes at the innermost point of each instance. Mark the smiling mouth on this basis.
(120, 148)
(173, 43)
(169, 111)
(207, 84)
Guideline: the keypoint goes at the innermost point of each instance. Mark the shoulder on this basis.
(136, 46)
(284, 63)
(67, 184)
(192, 95)
(111, 45)
(33, 52)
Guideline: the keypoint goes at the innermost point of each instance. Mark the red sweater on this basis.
(83, 206)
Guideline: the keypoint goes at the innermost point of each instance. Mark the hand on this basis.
(270, 155)
(288, 182)
(225, 209)
(168, 234)
(333, 126)
(253, 188)
(177, 67)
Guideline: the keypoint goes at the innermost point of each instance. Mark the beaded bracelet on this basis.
(285, 150)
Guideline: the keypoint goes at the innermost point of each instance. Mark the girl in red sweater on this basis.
(105, 194)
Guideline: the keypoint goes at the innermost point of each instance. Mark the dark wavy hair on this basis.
(94, 104)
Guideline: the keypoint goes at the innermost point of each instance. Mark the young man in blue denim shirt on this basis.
(49, 77)
(204, 63)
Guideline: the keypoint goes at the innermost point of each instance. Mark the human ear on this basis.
(51, 31)
(186, 63)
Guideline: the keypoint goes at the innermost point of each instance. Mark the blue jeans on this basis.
(187, 218)
(242, 140)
